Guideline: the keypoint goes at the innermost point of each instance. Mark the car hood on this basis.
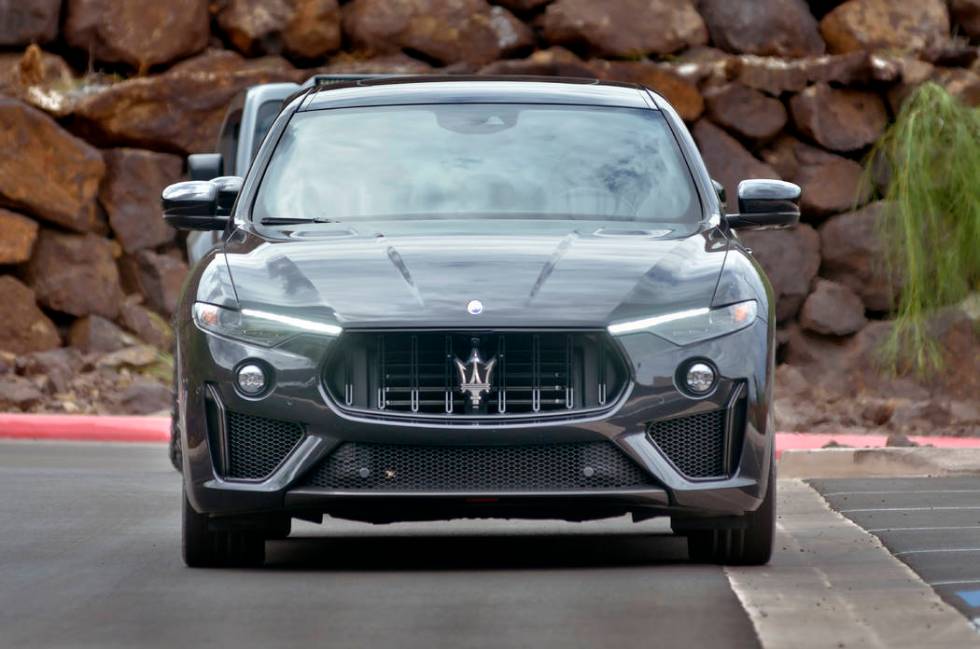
(425, 273)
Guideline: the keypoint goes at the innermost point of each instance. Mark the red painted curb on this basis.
(84, 428)
(105, 428)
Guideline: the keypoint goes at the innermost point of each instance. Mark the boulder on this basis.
(17, 236)
(75, 274)
(554, 61)
(682, 95)
(143, 396)
(831, 187)
(832, 309)
(747, 113)
(130, 195)
(728, 161)
(885, 25)
(783, 28)
(40, 79)
(624, 28)
(55, 367)
(305, 29)
(853, 255)
(776, 76)
(147, 325)
(180, 111)
(388, 64)
(839, 119)
(94, 334)
(139, 34)
(791, 259)
(703, 66)
(35, 21)
(158, 278)
(966, 16)
(23, 327)
(54, 175)
(470, 31)
(18, 393)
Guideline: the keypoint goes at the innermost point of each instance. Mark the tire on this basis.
(279, 528)
(176, 452)
(204, 548)
(748, 546)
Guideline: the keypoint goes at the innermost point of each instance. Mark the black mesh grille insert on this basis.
(695, 444)
(256, 445)
(382, 467)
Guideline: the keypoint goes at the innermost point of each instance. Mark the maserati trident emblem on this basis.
(475, 307)
(475, 375)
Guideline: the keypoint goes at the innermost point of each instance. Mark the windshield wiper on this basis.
(293, 220)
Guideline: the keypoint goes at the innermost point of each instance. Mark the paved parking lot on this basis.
(932, 524)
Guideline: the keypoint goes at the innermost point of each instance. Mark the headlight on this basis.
(259, 327)
(694, 325)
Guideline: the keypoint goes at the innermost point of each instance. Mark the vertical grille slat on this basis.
(414, 373)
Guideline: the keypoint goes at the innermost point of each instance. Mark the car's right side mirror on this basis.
(766, 204)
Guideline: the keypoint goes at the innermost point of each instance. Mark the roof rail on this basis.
(319, 80)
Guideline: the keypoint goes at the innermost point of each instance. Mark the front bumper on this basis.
(206, 369)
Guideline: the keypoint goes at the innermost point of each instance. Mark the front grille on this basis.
(417, 373)
(256, 445)
(551, 467)
(694, 444)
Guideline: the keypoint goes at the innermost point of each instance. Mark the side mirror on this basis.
(199, 204)
(205, 166)
(766, 204)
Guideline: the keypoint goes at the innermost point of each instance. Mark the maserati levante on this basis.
(460, 297)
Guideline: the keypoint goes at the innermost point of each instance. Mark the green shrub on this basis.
(932, 231)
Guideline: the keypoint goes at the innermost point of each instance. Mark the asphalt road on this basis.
(89, 558)
(932, 524)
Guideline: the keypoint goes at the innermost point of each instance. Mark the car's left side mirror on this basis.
(766, 204)
(201, 204)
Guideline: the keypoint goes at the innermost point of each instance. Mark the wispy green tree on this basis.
(932, 226)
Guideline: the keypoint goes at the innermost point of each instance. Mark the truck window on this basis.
(264, 118)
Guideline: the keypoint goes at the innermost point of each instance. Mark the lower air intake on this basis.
(694, 444)
(552, 467)
(256, 445)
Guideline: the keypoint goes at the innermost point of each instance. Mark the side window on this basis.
(228, 140)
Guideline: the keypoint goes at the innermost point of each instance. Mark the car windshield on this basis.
(478, 161)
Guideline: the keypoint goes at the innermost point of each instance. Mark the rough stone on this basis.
(75, 274)
(791, 259)
(728, 161)
(140, 34)
(96, 334)
(18, 393)
(839, 119)
(832, 309)
(966, 15)
(853, 255)
(180, 111)
(554, 61)
(624, 28)
(39, 78)
(143, 396)
(682, 95)
(776, 76)
(305, 29)
(147, 325)
(23, 327)
(446, 31)
(54, 175)
(765, 27)
(747, 113)
(17, 236)
(35, 21)
(389, 64)
(158, 278)
(130, 195)
(885, 24)
(56, 367)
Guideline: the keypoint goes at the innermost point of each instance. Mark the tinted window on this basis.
(264, 117)
(479, 160)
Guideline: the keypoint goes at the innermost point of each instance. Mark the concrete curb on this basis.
(84, 428)
(879, 462)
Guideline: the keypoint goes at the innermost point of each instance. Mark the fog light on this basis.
(700, 378)
(251, 379)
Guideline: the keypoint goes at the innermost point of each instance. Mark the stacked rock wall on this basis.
(101, 99)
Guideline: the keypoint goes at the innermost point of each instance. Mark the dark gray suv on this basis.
(476, 297)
